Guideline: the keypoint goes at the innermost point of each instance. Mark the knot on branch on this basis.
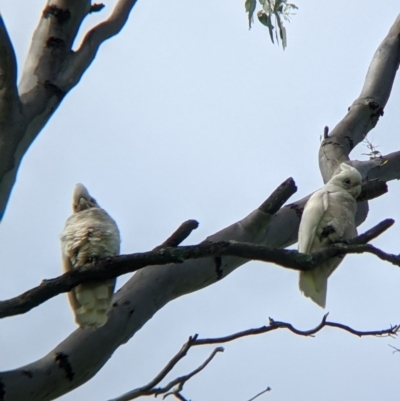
(60, 15)
(54, 88)
(55, 43)
(376, 108)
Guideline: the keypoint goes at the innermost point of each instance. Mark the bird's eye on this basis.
(346, 182)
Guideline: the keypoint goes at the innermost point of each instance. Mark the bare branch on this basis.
(182, 232)
(262, 392)
(364, 113)
(395, 349)
(275, 325)
(51, 70)
(180, 381)
(116, 266)
(40, 93)
(177, 395)
(277, 199)
(371, 190)
(91, 43)
(150, 389)
(372, 233)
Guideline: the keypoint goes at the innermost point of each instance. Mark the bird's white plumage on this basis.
(89, 234)
(328, 217)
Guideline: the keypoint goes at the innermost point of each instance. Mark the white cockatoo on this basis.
(328, 217)
(89, 234)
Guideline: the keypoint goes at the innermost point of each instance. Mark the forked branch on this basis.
(193, 341)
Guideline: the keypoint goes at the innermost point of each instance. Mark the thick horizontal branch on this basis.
(119, 265)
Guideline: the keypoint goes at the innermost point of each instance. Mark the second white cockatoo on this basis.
(328, 217)
(89, 234)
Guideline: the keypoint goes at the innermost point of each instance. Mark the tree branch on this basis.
(277, 199)
(182, 232)
(364, 113)
(276, 325)
(118, 265)
(91, 43)
(85, 351)
(51, 70)
(261, 393)
(150, 388)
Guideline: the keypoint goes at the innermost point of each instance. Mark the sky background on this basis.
(186, 114)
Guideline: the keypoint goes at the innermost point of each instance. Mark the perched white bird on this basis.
(89, 234)
(328, 217)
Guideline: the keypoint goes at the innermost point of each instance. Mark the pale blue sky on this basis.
(187, 114)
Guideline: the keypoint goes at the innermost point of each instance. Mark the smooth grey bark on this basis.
(85, 351)
(51, 70)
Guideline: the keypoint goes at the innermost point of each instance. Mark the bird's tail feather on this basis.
(314, 285)
(93, 301)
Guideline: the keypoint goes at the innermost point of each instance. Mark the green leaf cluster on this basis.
(272, 14)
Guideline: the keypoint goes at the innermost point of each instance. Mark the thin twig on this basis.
(395, 349)
(150, 389)
(275, 325)
(262, 392)
(178, 383)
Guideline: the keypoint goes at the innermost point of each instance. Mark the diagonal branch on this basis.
(51, 70)
(150, 389)
(116, 266)
(91, 43)
(260, 393)
(179, 382)
(182, 232)
(365, 111)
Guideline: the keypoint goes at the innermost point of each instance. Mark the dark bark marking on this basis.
(63, 363)
(60, 15)
(2, 390)
(350, 141)
(55, 43)
(376, 108)
(218, 267)
(297, 209)
(54, 88)
(27, 373)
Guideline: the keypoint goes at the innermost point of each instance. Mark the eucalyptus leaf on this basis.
(250, 6)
